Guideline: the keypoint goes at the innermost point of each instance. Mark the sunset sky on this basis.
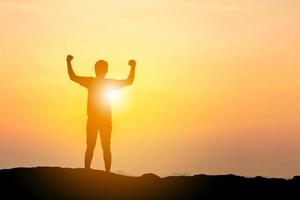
(217, 86)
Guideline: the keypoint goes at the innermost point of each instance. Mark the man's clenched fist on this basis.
(69, 58)
(132, 63)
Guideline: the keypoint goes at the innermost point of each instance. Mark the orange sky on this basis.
(217, 86)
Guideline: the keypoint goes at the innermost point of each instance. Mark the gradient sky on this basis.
(217, 86)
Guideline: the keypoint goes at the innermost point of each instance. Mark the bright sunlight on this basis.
(113, 96)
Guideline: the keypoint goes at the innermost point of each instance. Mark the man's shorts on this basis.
(98, 124)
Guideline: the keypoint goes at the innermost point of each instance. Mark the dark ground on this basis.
(64, 183)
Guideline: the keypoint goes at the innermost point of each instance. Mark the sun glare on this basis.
(113, 96)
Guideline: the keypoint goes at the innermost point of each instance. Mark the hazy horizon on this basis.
(217, 88)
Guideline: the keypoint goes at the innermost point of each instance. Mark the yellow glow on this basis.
(216, 82)
(113, 96)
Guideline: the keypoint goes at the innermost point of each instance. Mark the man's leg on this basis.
(107, 156)
(92, 131)
(105, 133)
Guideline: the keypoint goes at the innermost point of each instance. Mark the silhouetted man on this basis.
(98, 107)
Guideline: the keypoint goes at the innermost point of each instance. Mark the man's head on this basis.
(101, 68)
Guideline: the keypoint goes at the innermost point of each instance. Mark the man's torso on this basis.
(98, 104)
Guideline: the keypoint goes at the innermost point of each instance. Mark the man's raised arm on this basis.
(84, 81)
(121, 83)
(71, 73)
(130, 77)
(117, 84)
